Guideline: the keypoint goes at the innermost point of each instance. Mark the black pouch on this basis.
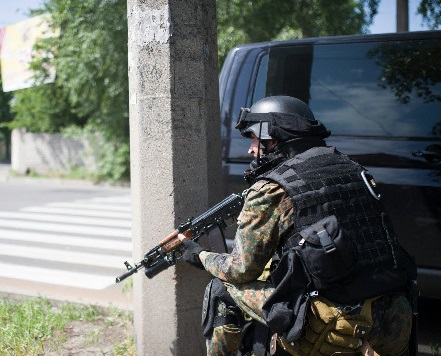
(285, 309)
(207, 312)
(214, 292)
(329, 255)
(324, 257)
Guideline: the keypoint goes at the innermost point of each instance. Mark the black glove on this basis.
(192, 251)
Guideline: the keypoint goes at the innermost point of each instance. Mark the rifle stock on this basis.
(170, 249)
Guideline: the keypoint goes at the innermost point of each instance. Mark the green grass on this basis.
(29, 326)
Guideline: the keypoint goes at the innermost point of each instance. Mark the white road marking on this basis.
(65, 219)
(77, 205)
(64, 233)
(55, 276)
(77, 212)
(66, 228)
(65, 240)
(57, 255)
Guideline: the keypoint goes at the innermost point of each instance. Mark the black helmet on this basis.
(281, 118)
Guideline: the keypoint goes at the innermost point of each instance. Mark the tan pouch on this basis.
(331, 331)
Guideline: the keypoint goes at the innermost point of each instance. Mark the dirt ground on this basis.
(103, 331)
(98, 337)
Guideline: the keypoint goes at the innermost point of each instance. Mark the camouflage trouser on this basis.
(392, 316)
(391, 330)
(249, 297)
(225, 341)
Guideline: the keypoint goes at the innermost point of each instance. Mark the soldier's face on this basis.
(254, 147)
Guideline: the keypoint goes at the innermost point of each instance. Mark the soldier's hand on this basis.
(192, 251)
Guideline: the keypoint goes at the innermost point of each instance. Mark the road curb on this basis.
(5, 175)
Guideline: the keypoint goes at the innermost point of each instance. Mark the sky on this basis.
(12, 11)
(385, 21)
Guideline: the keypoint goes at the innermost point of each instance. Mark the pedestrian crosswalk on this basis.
(82, 243)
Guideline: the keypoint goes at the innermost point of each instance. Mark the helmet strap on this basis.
(258, 143)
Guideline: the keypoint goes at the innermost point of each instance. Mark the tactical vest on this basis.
(322, 182)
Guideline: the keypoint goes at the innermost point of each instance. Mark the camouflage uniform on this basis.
(266, 220)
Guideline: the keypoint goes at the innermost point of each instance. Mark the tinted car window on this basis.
(372, 88)
(246, 84)
(389, 88)
(262, 71)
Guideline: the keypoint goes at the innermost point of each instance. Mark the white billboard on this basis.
(16, 48)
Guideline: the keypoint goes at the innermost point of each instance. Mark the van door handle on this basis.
(431, 154)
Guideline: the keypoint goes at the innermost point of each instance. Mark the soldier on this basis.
(349, 295)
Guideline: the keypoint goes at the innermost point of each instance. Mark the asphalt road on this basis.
(64, 241)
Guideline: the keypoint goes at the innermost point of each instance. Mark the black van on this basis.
(380, 95)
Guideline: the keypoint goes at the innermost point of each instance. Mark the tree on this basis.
(431, 12)
(90, 91)
(90, 57)
(5, 117)
(241, 21)
(43, 108)
(408, 72)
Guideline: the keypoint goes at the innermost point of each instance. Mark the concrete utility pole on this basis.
(175, 158)
(402, 15)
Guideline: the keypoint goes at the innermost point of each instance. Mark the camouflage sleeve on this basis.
(265, 217)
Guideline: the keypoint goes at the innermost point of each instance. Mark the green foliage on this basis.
(5, 117)
(27, 325)
(112, 153)
(115, 162)
(431, 12)
(5, 113)
(43, 108)
(411, 74)
(126, 348)
(91, 60)
(242, 21)
(90, 90)
(18, 324)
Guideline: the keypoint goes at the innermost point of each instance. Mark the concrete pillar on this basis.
(175, 158)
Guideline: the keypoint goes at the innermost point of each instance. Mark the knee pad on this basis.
(219, 308)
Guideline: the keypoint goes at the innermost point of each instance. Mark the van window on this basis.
(364, 89)
(260, 87)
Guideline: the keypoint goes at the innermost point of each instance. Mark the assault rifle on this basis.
(211, 223)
